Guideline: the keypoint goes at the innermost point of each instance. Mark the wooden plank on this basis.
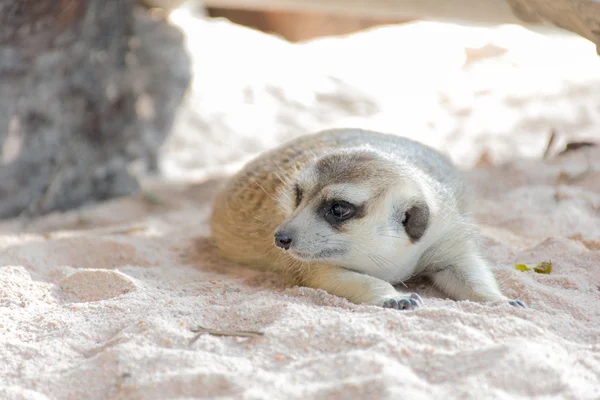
(578, 16)
(494, 11)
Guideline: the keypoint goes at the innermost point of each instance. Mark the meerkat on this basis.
(355, 212)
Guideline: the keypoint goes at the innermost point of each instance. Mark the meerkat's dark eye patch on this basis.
(298, 194)
(415, 221)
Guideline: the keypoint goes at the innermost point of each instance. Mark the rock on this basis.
(87, 88)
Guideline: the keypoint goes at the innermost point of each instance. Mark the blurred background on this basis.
(100, 99)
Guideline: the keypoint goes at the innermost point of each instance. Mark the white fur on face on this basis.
(375, 244)
(350, 192)
(380, 246)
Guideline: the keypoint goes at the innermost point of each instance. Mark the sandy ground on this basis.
(100, 303)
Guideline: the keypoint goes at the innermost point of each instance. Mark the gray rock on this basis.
(84, 91)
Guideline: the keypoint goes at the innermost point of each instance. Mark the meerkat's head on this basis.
(350, 206)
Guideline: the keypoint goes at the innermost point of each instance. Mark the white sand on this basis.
(99, 303)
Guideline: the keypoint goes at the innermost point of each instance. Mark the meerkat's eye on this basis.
(340, 211)
(298, 193)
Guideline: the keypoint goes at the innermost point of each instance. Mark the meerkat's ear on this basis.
(414, 220)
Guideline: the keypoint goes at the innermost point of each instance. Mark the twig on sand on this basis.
(550, 143)
(215, 332)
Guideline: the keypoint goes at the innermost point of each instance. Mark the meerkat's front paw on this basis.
(409, 302)
(517, 303)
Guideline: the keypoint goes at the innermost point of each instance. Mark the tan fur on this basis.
(382, 172)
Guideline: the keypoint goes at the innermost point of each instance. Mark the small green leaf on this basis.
(523, 267)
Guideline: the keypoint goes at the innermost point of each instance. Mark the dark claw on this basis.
(404, 303)
(517, 303)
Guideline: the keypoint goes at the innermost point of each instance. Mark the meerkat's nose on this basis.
(283, 240)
